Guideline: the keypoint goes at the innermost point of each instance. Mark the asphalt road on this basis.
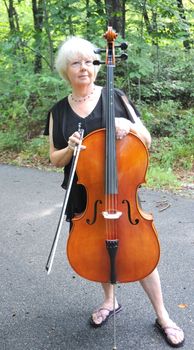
(41, 312)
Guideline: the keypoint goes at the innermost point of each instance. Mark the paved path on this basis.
(40, 312)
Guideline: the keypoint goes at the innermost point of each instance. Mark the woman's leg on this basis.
(152, 286)
(109, 296)
(103, 311)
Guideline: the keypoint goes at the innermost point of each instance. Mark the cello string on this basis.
(114, 320)
(107, 225)
(115, 221)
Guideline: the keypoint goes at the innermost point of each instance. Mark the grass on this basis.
(158, 178)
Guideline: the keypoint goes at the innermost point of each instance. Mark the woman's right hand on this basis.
(74, 140)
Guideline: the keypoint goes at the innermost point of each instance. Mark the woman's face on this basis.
(80, 71)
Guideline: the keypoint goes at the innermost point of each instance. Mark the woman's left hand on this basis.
(122, 127)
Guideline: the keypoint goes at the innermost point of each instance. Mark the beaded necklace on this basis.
(82, 99)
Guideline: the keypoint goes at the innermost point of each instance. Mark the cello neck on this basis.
(111, 169)
(111, 186)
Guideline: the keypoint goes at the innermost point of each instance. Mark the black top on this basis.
(65, 123)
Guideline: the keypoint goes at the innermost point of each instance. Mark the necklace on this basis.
(82, 99)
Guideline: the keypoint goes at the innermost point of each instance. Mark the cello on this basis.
(113, 240)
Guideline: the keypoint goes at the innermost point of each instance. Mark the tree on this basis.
(12, 16)
(186, 41)
(115, 10)
(37, 9)
(48, 32)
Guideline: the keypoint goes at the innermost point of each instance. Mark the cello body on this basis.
(138, 246)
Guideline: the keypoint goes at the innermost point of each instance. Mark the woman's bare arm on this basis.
(61, 157)
(125, 126)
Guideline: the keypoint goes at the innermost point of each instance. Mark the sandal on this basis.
(168, 331)
(103, 316)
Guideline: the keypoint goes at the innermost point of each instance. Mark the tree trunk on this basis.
(37, 9)
(12, 16)
(47, 29)
(115, 10)
(186, 42)
(88, 16)
(13, 19)
(151, 26)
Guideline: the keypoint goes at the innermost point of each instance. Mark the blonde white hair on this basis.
(72, 48)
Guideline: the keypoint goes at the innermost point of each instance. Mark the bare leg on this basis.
(108, 296)
(152, 286)
(107, 304)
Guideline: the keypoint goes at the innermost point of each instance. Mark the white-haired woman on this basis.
(84, 104)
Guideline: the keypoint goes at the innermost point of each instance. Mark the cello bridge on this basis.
(111, 216)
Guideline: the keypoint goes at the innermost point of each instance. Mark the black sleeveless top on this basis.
(65, 123)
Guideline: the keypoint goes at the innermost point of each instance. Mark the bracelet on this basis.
(70, 146)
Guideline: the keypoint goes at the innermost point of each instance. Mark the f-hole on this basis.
(91, 222)
(136, 221)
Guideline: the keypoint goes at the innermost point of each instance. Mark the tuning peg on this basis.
(97, 63)
(123, 56)
(98, 50)
(122, 46)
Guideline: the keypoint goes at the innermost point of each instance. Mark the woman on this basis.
(84, 104)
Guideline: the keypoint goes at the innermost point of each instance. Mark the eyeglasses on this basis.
(78, 64)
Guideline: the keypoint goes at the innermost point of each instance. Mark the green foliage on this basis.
(38, 147)
(168, 77)
(167, 118)
(158, 74)
(172, 153)
(173, 135)
(158, 177)
(11, 140)
(25, 99)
